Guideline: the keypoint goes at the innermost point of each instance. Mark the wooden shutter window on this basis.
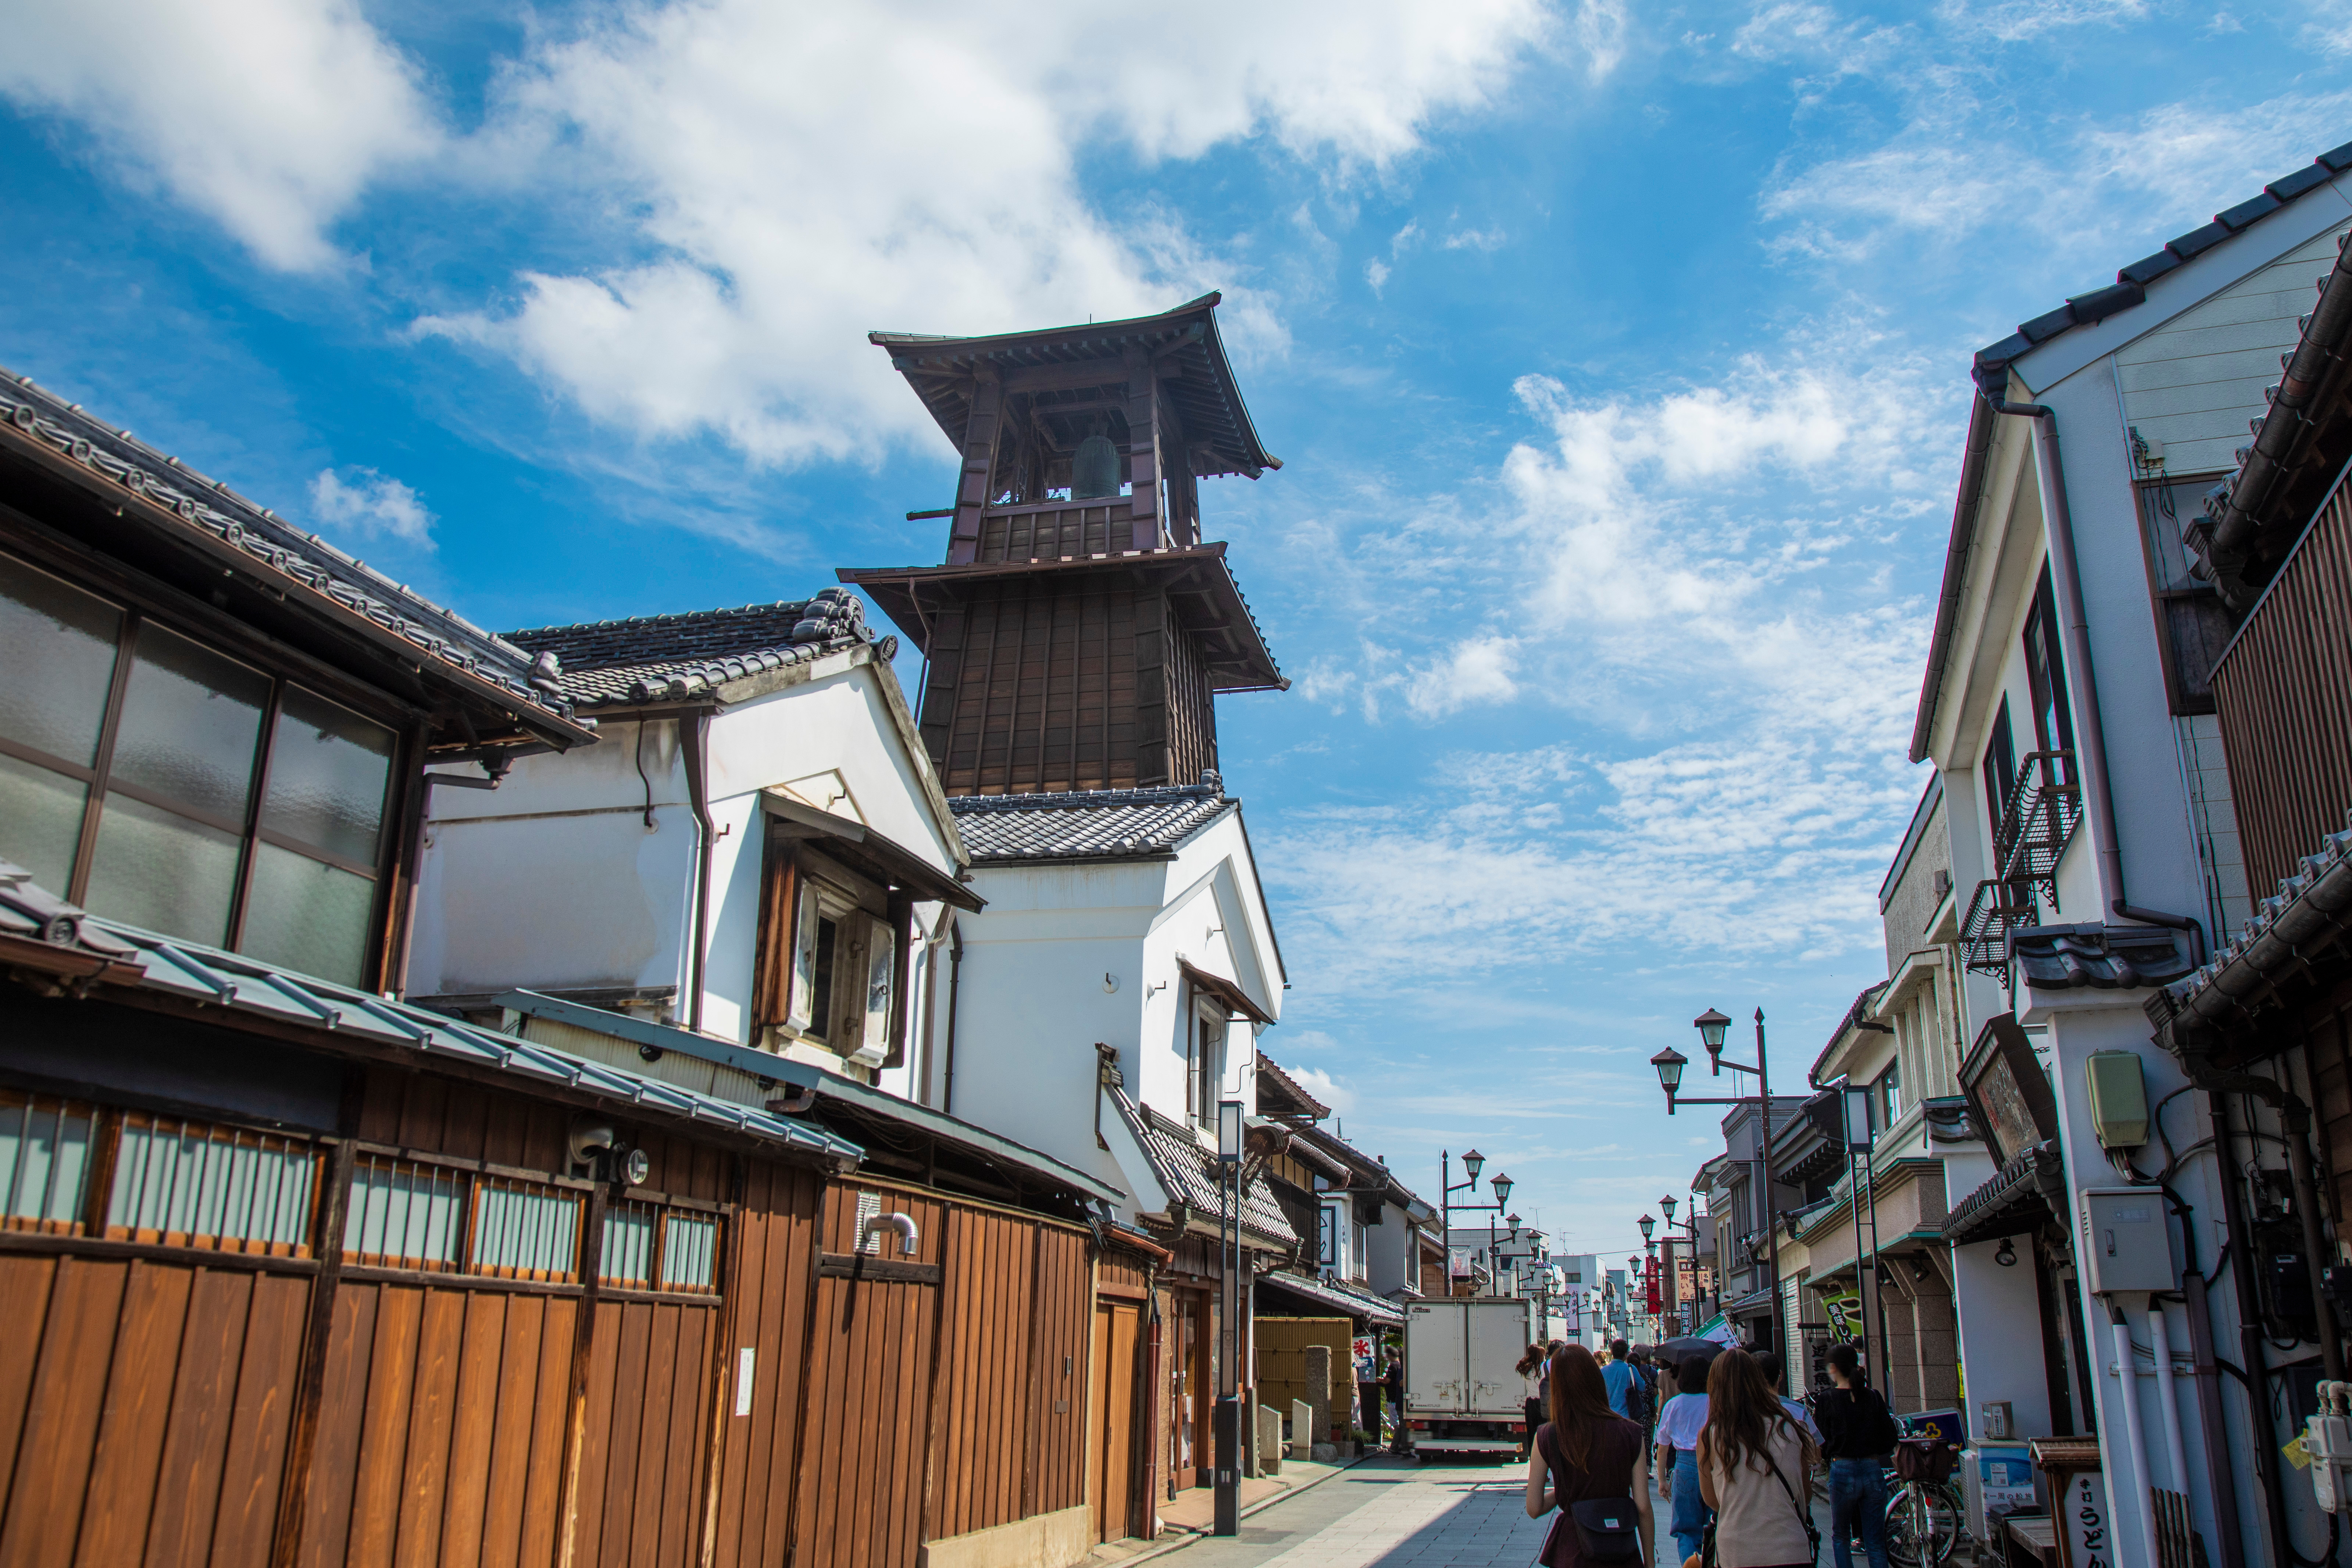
(800, 1007)
(772, 977)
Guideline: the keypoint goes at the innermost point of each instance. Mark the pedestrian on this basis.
(1530, 1368)
(1369, 1392)
(1618, 1377)
(1774, 1368)
(1642, 1398)
(1395, 1380)
(1858, 1433)
(1680, 1421)
(1754, 1462)
(1586, 1457)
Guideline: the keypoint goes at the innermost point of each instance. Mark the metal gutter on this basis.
(1957, 549)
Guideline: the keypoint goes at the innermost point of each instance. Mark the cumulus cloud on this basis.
(268, 116)
(1330, 1090)
(786, 206)
(370, 505)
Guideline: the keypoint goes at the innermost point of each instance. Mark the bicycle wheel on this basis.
(1922, 1523)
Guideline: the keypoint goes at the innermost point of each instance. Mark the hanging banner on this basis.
(1845, 1318)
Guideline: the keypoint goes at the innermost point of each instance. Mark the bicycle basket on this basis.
(1925, 1460)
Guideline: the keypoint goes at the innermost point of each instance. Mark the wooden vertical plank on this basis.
(204, 1399)
(594, 1442)
(135, 1406)
(341, 1426)
(479, 1393)
(383, 1426)
(690, 1379)
(361, 1090)
(27, 1283)
(60, 1428)
(425, 1460)
(253, 1470)
(647, 1460)
(542, 1500)
(523, 1325)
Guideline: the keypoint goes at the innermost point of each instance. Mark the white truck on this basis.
(1463, 1392)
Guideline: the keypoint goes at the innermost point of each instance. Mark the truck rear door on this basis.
(1498, 1337)
(1436, 1359)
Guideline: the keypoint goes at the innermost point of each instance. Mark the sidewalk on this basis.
(1393, 1512)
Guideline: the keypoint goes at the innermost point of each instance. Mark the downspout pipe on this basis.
(696, 751)
(2066, 577)
(955, 989)
(2135, 1435)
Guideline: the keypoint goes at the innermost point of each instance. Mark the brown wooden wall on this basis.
(2283, 691)
(1055, 531)
(143, 1407)
(159, 1406)
(1057, 684)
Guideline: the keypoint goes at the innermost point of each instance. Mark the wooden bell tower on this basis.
(1079, 629)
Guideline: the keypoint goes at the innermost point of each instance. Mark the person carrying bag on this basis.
(1588, 1462)
(1858, 1432)
(1754, 1466)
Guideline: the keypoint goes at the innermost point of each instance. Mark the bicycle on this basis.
(1924, 1509)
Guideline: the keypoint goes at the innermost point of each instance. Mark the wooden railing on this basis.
(2283, 691)
(1056, 530)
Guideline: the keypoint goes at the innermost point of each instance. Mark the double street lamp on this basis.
(1472, 1163)
(1711, 1026)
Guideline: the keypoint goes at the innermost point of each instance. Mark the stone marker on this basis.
(1302, 1430)
(1319, 1402)
(1269, 1440)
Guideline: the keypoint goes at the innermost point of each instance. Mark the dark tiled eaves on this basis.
(2298, 937)
(1188, 1171)
(2100, 957)
(655, 658)
(2129, 288)
(309, 564)
(1089, 824)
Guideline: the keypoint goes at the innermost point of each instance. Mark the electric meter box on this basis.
(2126, 1241)
(2118, 1095)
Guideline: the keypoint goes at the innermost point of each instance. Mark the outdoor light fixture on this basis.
(1710, 1025)
(1512, 1221)
(2007, 1255)
(1502, 1185)
(1648, 1224)
(1229, 1131)
(1473, 1162)
(1667, 1204)
(1670, 1063)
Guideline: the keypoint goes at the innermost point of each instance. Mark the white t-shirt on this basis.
(1680, 1422)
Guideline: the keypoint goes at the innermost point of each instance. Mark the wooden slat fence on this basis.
(2283, 691)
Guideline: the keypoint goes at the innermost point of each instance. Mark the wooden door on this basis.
(1110, 1429)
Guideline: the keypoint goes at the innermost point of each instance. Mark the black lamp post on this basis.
(1226, 1506)
(1711, 1026)
(1472, 1163)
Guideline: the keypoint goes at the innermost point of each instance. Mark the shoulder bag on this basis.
(1608, 1530)
(1804, 1514)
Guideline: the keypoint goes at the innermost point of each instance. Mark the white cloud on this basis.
(2019, 21)
(370, 505)
(790, 200)
(1330, 1090)
(1376, 273)
(1476, 239)
(268, 116)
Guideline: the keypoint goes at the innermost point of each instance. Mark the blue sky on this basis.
(1617, 357)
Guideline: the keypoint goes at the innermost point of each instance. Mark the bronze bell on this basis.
(1093, 467)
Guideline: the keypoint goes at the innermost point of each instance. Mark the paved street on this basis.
(1396, 1513)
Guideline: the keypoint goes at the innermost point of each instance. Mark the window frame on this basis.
(805, 891)
(140, 607)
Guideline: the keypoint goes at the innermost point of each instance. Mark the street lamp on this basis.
(1648, 1222)
(1711, 1025)
(1473, 1162)
(1227, 1504)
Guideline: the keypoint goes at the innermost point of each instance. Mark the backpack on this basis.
(1641, 1403)
(1608, 1531)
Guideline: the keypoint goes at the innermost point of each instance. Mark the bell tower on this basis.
(1079, 629)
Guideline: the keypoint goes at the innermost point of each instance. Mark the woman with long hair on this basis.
(1585, 1452)
(1755, 1469)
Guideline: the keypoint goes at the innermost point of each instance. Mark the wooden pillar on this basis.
(979, 459)
(1143, 450)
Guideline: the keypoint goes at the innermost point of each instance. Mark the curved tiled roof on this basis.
(651, 658)
(1088, 825)
(306, 562)
(1187, 1169)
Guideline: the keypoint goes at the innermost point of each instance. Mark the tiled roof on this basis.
(1188, 1170)
(1088, 825)
(2014, 1199)
(2130, 287)
(2297, 934)
(657, 658)
(311, 566)
(2103, 957)
(1279, 1094)
(106, 954)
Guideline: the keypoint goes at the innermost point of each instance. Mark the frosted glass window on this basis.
(158, 871)
(44, 1162)
(40, 820)
(189, 1184)
(402, 1215)
(191, 723)
(523, 1231)
(328, 769)
(70, 640)
(628, 1257)
(690, 1254)
(307, 915)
